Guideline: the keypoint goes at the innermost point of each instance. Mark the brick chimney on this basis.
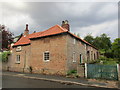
(65, 25)
(26, 32)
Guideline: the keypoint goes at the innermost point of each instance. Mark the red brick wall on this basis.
(60, 47)
(24, 59)
(78, 48)
(56, 45)
(91, 54)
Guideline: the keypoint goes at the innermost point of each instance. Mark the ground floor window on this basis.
(18, 59)
(81, 59)
(46, 56)
(88, 55)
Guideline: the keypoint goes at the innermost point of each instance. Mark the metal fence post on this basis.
(118, 70)
(86, 70)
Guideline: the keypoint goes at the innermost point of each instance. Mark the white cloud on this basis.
(110, 28)
(18, 5)
(75, 9)
(13, 18)
(109, 10)
(60, 1)
(17, 20)
(84, 17)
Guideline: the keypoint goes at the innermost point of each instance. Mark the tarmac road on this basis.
(19, 82)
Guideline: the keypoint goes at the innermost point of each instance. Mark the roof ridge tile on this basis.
(63, 29)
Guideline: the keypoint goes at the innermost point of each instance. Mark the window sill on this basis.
(19, 51)
(82, 63)
(17, 63)
(46, 60)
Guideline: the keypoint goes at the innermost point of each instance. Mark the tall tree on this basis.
(105, 41)
(116, 48)
(7, 37)
(102, 42)
(97, 42)
(89, 38)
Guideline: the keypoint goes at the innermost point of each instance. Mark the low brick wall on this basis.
(38, 71)
(15, 69)
(49, 71)
(81, 70)
(5, 66)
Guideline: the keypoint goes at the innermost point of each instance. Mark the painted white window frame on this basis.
(74, 41)
(85, 46)
(19, 48)
(74, 57)
(18, 59)
(45, 57)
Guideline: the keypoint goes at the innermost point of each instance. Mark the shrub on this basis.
(71, 72)
(107, 61)
(4, 56)
(92, 62)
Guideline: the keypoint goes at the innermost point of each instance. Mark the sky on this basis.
(84, 18)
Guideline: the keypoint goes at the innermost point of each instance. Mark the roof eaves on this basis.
(21, 45)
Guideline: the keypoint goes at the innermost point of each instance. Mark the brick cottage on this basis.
(53, 51)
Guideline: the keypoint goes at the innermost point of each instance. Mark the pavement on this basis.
(65, 80)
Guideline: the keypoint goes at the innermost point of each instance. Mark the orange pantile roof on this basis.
(22, 41)
(51, 31)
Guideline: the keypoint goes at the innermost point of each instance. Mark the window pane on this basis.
(46, 56)
(80, 58)
(18, 58)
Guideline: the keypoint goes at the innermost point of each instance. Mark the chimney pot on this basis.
(26, 32)
(65, 24)
(26, 26)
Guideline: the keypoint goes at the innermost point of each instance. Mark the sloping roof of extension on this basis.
(24, 40)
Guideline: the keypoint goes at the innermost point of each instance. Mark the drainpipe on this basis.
(85, 70)
(24, 62)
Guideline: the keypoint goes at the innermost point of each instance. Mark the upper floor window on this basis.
(18, 48)
(74, 42)
(46, 56)
(85, 46)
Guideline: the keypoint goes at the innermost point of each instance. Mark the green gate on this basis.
(95, 71)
